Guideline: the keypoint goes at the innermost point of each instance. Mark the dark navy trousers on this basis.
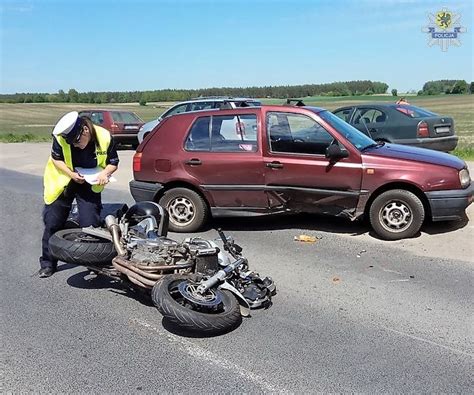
(89, 205)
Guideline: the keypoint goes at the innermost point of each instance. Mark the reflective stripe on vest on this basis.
(55, 181)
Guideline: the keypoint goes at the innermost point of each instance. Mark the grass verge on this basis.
(464, 153)
(23, 138)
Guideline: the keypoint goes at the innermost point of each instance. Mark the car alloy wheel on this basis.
(395, 216)
(187, 209)
(181, 211)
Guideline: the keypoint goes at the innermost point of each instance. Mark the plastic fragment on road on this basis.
(306, 238)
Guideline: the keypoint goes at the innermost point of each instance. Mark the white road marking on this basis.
(392, 271)
(399, 281)
(207, 356)
(455, 350)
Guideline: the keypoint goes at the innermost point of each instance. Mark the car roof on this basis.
(276, 107)
(102, 109)
(387, 105)
(217, 99)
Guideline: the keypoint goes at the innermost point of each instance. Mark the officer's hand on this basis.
(102, 178)
(76, 177)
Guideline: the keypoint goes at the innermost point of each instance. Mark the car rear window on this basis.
(125, 117)
(414, 112)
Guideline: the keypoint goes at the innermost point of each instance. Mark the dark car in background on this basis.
(283, 159)
(122, 125)
(402, 124)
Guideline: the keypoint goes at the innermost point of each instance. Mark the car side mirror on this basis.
(335, 152)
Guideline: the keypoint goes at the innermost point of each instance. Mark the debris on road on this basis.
(307, 238)
(360, 253)
(336, 280)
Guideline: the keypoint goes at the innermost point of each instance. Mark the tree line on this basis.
(348, 88)
(446, 86)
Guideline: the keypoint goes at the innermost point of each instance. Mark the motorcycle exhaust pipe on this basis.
(114, 229)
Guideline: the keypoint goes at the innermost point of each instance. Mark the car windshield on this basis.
(415, 112)
(358, 139)
(125, 117)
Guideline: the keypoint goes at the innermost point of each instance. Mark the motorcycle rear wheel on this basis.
(75, 246)
(215, 313)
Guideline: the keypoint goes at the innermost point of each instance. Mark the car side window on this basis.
(369, 115)
(344, 114)
(97, 118)
(223, 134)
(297, 133)
(202, 106)
(379, 116)
(234, 133)
(176, 110)
(199, 138)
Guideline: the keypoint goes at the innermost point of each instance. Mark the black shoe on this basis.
(46, 272)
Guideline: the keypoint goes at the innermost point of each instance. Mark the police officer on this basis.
(76, 143)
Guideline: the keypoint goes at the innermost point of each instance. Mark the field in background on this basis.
(34, 121)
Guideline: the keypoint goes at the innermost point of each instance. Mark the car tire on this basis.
(187, 210)
(396, 214)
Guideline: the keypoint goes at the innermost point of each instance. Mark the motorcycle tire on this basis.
(75, 246)
(185, 315)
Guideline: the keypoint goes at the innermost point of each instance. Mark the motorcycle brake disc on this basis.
(211, 298)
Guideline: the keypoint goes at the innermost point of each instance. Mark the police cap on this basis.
(69, 127)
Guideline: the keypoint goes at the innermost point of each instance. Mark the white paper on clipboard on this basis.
(91, 174)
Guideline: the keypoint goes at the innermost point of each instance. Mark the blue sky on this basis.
(119, 45)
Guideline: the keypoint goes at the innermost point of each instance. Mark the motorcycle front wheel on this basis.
(75, 246)
(212, 313)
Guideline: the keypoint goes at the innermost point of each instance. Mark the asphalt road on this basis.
(353, 314)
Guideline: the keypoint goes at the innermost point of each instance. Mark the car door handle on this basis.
(274, 165)
(193, 162)
(373, 130)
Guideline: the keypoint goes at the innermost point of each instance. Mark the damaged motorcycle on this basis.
(197, 284)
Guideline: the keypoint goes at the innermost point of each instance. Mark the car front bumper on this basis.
(143, 191)
(445, 144)
(451, 204)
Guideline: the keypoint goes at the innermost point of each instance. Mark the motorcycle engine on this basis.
(163, 251)
(158, 252)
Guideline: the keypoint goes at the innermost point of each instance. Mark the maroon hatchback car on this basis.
(273, 159)
(123, 125)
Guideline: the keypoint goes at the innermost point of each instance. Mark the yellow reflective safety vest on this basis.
(55, 181)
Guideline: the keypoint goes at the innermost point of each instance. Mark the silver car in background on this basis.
(199, 104)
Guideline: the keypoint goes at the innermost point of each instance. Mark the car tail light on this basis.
(137, 162)
(423, 130)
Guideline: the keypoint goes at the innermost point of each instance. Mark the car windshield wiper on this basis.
(374, 145)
